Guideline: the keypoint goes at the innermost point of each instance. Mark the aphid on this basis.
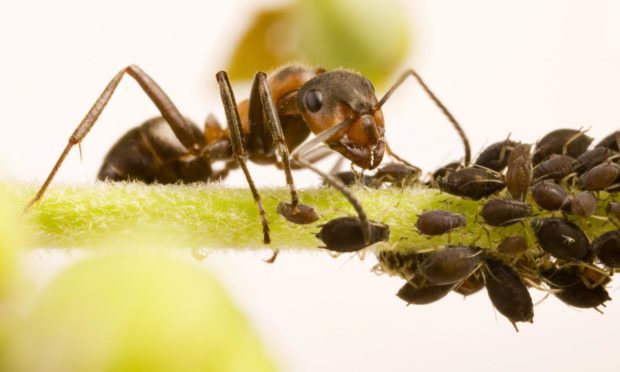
(583, 204)
(508, 293)
(420, 293)
(607, 248)
(556, 167)
(570, 288)
(496, 156)
(561, 238)
(349, 178)
(601, 177)
(439, 222)
(396, 174)
(561, 141)
(470, 285)
(611, 142)
(339, 106)
(448, 168)
(504, 212)
(512, 245)
(550, 196)
(402, 264)
(450, 265)
(519, 173)
(613, 208)
(591, 158)
(344, 234)
(472, 183)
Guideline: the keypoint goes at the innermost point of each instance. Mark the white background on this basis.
(524, 67)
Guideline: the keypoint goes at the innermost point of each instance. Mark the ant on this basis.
(338, 106)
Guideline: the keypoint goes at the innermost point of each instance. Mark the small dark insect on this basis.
(403, 264)
(472, 183)
(561, 238)
(607, 248)
(601, 177)
(504, 212)
(592, 158)
(550, 196)
(349, 178)
(613, 208)
(448, 168)
(344, 234)
(470, 285)
(561, 141)
(396, 174)
(439, 222)
(570, 288)
(496, 155)
(512, 245)
(450, 265)
(612, 141)
(508, 293)
(556, 167)
(420, 293)
(583, 204)
(519, 173)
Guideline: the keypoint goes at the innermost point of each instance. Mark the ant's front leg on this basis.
(182, 130)
(263, 111)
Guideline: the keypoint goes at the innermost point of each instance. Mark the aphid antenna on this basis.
(573, 138)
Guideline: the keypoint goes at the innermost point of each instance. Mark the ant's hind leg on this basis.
(182, 130)
(234, 125)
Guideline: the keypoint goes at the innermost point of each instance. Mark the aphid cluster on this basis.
(553, 190)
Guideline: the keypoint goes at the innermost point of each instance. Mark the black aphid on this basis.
(561, 141)
(607, 248)
(611, 142)
(344, 234)
(556, 167)
(402, 264)
(450, 265)
(591, 158)
(448, 168)
(583, 204)
(512, 245)
(519, 173)
(396, 174)
(550, 196)
(496, 155)
(419, 293)
(601, 177)
(349, 178)
(569, 288)
(508, 293)
(561, 238)
(439, 222)
(472, 183)
(504, 212)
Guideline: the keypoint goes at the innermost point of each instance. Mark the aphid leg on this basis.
(433, 97)
(234, 125)
(182, 130)
(298, 156)
(263, 107)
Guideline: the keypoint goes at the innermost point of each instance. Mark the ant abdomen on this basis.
(152, 153)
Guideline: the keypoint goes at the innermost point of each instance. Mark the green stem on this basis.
(214, 216)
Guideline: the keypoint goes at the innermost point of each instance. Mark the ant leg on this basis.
(298, 156)
(182, 130)
(234, 125)
(433, 97)
(294, 212)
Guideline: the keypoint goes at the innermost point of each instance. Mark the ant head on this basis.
(336, 96)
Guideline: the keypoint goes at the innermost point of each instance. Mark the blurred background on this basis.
(523, 68)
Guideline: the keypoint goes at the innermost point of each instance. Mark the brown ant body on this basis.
(339, 106)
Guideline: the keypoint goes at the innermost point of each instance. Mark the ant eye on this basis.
(314, 100)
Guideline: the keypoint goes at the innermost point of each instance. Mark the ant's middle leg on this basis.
(182, 130)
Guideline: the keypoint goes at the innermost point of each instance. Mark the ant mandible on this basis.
(338, 106)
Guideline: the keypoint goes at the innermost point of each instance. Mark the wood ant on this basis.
(338, 106)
